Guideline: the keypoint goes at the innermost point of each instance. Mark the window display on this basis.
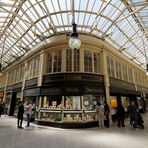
(67, 108)
(113, 103)
(140, 103)
(125, 103)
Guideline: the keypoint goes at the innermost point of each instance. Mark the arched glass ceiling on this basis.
(121, 23)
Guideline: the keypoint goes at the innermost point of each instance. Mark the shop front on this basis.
(68, 99)
(1, 96)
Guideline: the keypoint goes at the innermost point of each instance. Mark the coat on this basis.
(20, 112)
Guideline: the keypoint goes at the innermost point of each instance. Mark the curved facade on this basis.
(66, 84)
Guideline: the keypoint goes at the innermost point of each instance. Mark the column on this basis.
(4, 97)
(106, 79)
(42, 67)
(26, 71)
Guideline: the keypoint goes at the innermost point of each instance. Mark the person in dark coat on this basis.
(20, 115)
(1, 109)
(132, 110)
(106, 114)
(120, 115)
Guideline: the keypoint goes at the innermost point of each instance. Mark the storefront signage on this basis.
(50, 91)
(76, 90)
(32, 92)
(68, 77)
(73, 77)
(93, 90)
(81, 91)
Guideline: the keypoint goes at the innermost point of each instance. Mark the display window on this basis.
(125, 103)
(7, 103)
(67, 108)
(33, 102)
(113, 104)
(140, 103)
(72, 102)
(90, 101)
(51, 102)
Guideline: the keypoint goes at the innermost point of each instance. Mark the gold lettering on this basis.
(72, 77)
(94, 90)
(72, 90)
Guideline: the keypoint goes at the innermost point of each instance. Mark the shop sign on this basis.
(94, 90)
(50, 91)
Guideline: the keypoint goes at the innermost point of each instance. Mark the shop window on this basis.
(57, 61)
(118, 70)
(77, 60)
(96, 62)
(72, 60)
(30, 68)
(68, 60)
(49, 70)
(111, 67)
(113, 104)
(125, 103)
(90, 101)
(72, 102)
(87, 61)
(51, 102)
(36, 67)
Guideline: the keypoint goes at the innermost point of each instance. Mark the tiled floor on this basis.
(48, 137)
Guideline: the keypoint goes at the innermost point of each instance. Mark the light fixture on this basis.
(74, 42)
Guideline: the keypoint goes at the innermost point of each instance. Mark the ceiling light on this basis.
(74, 42)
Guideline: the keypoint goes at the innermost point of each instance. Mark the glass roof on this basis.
(121, 23)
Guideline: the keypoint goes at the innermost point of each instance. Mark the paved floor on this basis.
(48, 137)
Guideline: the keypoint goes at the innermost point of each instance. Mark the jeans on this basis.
(28, 120)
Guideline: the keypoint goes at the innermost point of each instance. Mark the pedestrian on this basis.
(120, 115)
(106, 114)
(28, 112)
(132, 110)
(20, 115)
(100, 115)
(1, 109)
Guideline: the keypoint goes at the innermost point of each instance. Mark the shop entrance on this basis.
(12, 104)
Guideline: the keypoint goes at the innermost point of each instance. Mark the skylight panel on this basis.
(40, 26)
(79, 18)
(23, 24)
(77, 3)
(55, 5)
(54, 20)
(65, 18)
(62, 4)
(7, 1)
(83, 5)
(25, 6)
(49, 6)
(91, 5)
(87, 19)
(59, 19)
(105, 26)
(33, 1)
(90, 19)
(39, 11)
(32, 14)
(97, 6)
